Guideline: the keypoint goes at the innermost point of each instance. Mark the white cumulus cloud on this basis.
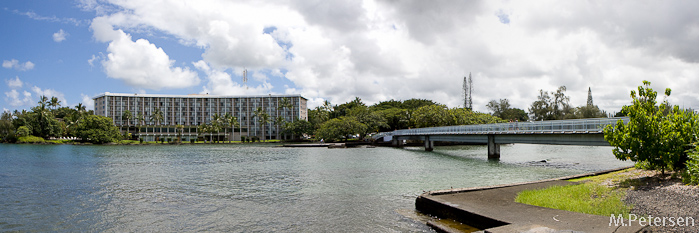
(140, 63)
(15, 64)
(381, 49)
(14, 83)
(60, 36)
(15, 99)
(88, 102)
(49, 93)
(221, 83)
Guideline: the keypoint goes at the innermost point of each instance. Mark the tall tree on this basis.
(431, 116)
(180, 130)
(263, 118)
(547, 107)
(373, 120)
(54, 102)
(127, 116)
(156, 117)
(232, 122)
(650, 136)
(97, 129)
(284, 105)
(279, 121)
(6, 128)
(216, 125)
(499, 108)
(338, 128)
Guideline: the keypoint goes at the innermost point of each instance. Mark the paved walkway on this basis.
(495, 210)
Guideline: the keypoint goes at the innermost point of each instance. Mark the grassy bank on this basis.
(598, 195)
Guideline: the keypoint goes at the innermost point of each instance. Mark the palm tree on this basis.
(284, 104)
(180, 129)
(127, 116)
(43, 101)
(263, 118)
(232, 121)
(80, 108)
(216, 121)
(157, 117)
(54, 102)
(279, 122)
(139, 121)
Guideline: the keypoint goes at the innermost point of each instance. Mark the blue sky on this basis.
(335, 50)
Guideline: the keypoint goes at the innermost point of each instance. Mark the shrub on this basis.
(691, 172)
(24, 131)
(31, 139)
(169, 140)
(655, 134)
(242, 139)
(11, 138)
(97, 129)
(140, 140)
(192, 140)
(162, 140)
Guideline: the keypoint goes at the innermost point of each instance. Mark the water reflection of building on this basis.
(195, 110)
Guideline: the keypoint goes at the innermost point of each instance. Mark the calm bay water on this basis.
(244, 188)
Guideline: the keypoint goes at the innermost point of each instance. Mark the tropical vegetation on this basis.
(658, 135)
(49, 120)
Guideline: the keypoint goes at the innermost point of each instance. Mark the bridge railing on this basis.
(595, 125)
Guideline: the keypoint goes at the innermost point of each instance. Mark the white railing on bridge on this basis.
(594, 125)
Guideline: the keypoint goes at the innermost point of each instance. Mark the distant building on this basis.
(191, 111)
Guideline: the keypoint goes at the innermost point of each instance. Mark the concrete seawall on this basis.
(493, 209)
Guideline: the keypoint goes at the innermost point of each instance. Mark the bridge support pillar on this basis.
(429, 144)
(397, 143)
(493, 148)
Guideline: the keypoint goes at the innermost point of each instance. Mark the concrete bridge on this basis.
(586, 132)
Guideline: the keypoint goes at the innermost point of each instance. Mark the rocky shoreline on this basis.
(662, 196)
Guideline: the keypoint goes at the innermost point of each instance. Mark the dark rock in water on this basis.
(542, 161)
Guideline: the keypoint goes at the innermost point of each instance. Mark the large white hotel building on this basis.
(191, 111)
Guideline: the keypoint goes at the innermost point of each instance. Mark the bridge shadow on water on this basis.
(515, 156)
(468, 154)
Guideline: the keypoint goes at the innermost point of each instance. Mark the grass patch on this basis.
(127, 142)
(30, 139)
(60, 141)
(589, 198)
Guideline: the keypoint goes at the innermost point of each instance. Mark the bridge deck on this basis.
(588, 132)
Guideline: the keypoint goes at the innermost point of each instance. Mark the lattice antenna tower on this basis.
(470, 90)
(589, 97)
(245, 78)
(464, 92)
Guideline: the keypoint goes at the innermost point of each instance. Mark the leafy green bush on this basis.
(192, 140)
(31, 139)
(140, 140)
(655, 134)
(242, 139)
(98, 129)
(691, 172)
(24, 131)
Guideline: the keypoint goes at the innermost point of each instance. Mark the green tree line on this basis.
(553, 105)
(355, 118)
(48, 119)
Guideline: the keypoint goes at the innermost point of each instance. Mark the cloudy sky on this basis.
(336, 49)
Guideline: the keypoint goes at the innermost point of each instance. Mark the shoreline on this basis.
(493, 208)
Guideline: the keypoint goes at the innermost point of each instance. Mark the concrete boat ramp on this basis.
(494, 210)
